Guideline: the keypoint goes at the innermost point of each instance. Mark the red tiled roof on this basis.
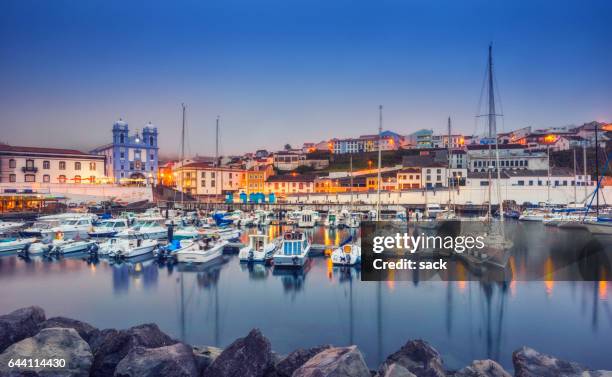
(12, 148)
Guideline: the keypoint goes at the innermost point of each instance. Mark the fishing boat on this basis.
(260, 249)
(307, 219)
(293, 250)
(127, 247)
(15, 244)
(108, 228)
(146, 228)
(201, 251)
(348, 254)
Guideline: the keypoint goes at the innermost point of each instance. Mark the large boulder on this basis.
(176, 360)
(394, 370)
(482, 368)
(110, 346)
(418, 357)
(250, 356)
(204, 356)
(52, 343)
(20, 324)
(530, 363)
(285, 367)
(335, 362)
(85, 330)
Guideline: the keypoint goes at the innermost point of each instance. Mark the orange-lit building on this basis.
(255, 180)
(281, 185)
(165, 174)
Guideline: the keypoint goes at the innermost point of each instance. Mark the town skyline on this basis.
(76, 75)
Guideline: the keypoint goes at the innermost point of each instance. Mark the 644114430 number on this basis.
(36, 363)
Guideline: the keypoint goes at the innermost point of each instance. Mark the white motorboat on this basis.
(108, 228)
(200, 251)
(70, 228)
(347, 255)
(71, 246)
(15, 244)
(433, 209)
(9, 226)
(293, 250)
(127, 247)
(145, 228)
(353, 220)
(307, 219)
(225, 234)
(36, 229)
(262, 218)
(259, 249)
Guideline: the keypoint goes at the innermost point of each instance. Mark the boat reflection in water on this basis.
(320, 303)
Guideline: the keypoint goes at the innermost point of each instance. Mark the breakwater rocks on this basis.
(75, 348)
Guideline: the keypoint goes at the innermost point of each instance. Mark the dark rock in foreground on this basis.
(110, 346)
(20, 324)
(171, 361)
(296, 359)
(335, 362)
(530, 363)
(85, 330)
(418, 357)
(482, 368)
(204, 356)
(51, 343)
(250, 356)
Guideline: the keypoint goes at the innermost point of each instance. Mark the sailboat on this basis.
(600, 225)
(496, 244)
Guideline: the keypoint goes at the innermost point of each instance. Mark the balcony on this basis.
(29, 169)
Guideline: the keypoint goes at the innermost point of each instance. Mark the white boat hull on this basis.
(195, 255)
(16, 245)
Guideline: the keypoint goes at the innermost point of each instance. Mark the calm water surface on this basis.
(325, 304)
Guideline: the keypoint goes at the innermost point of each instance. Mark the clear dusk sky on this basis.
(292, 71)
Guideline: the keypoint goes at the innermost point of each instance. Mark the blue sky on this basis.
(294, 71)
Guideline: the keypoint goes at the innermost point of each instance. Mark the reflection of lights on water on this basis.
(603, 285)
(138, 267)
(328, 252)
(391, 280)
(337, 240)
(513, 276)
(330, 269)
(326, 240)
(461, 284)
(548, 282)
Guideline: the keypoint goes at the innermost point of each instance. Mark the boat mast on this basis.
(182, 155)
(548, 174)
(351, 188)
(575, 194)
(584, 169)
(597, 171)
(217, 161)
(380, 119)
(448, 173)
(493, 133)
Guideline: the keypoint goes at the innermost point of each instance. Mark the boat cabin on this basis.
(294, 243)
(258, 241)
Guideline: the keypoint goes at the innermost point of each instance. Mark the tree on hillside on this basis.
(287, 146)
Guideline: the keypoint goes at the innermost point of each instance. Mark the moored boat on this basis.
(260, 249)
(201, 251)
(293, 250)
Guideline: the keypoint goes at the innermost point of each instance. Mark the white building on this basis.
(198, 178)
(511, 157)
(288, 160)
(50, 166)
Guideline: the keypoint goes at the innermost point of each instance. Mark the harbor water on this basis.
(214, 305)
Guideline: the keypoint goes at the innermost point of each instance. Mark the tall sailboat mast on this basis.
(217, 161)
(448, 170)
(351, 188)
(492, 123)
(380, 119)
(575, 183)
(182, 154)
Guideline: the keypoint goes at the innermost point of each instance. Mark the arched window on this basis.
(77, 179)
(77, 166)
(62, 179)
(12, 163)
